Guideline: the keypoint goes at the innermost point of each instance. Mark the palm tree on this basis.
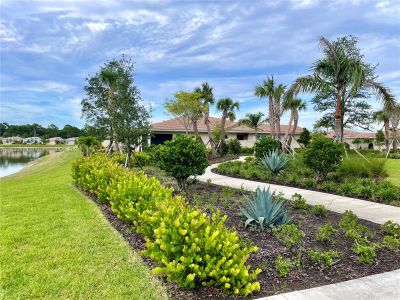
(345, 74)
(207, 97)
(266, 90)
(382, 117)
(227, 106)
(109, 80)
(279, 93)
(294, 105)
(253, 121)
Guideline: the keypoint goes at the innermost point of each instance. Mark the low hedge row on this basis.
(190, 247)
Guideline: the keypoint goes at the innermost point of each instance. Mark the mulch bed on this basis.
(210, 196)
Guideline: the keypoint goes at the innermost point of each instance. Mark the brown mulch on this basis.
(210, 196)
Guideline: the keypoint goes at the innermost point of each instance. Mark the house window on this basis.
(242, 136)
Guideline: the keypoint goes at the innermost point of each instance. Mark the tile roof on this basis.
(175, 125)
(350, 134)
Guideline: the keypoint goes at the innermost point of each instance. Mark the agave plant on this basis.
(264, 210)
(274, 161)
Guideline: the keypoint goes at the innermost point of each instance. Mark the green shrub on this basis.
(391, 228)
(391, 242)
(348, 221)
(274, 161)
(354, 166)
(264, 145)
(329, 186)
(289, 235)
(88, 144)
(189, 247)
(323, 258)
(366, 253)
(298, 202)
(323, 155)
(248, 150)
(233, 146)
(230, 168)
(182, 157)
(140, 159)
(325, 233)
(283, 265)
(377, 168)
(263, 210)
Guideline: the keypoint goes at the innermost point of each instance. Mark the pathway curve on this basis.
(367, 210)
(384, 286)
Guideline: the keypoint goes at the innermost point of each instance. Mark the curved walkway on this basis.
(367, 210)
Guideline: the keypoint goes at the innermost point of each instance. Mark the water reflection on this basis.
(13, 160)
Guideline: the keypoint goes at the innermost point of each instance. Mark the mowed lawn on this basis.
(56, 244)
(393, 168)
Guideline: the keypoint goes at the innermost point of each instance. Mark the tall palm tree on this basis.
(207, 97)
(382, 117)
(266, 90)
(253, 121)
(344, 74)
(109, 79)
(227, 106)
(294, 105)
(279, 94)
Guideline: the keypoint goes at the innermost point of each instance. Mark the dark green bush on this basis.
(233, 147)
(323, 155)
(265, 145)
(182, 157)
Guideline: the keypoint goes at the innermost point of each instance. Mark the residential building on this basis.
(166, 130)
(55, 140)
(12, 140)
(32, 140)
(356, 140)
(71, 140)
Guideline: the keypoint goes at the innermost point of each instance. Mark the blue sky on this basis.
(49, 47)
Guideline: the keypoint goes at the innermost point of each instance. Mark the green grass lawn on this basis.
(393, 168)
(55, 243)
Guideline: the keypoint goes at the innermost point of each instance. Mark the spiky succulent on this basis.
(264, 210)
(274, 161)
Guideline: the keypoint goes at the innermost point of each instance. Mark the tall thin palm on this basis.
(227, 106)
(344, 74)
(382, 117)
(294, 105)
(267, 90)
(253, 121)
(279, 93)
(207, 98)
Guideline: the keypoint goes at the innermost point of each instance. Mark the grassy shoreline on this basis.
(56, 243)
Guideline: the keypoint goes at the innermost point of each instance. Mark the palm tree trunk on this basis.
(207, 123)
(386, 126)
(289, 127)
(295, 123)
(271, 115)
(338, 117)
(195, 129)
(223, 132)
(278, 121)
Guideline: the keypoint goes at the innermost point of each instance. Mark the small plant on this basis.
(289, 235)
(325, 233)
(319, 210)
(274, 161)
(391, 228)
(263, 210)
(391, 242)
(377, 168)
(283, 265)
(298, 202)
(323, 258)
(366, 253)
(349, 220)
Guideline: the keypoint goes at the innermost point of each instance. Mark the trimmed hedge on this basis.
(190, 247)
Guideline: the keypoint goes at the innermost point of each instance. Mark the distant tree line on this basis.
(30, 130)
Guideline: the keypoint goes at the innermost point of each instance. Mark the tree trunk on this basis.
(289, 127)
(271, 115)
(222, 133)
(111, 114)
(295, 123)
(387, 137)
(207, 123)
(195, 130)
(338, 117)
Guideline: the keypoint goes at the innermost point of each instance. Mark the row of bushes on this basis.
(190, 247)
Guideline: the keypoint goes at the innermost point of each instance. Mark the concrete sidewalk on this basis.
(374, 212)
(384, 286)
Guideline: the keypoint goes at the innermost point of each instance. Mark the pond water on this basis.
(13, 160)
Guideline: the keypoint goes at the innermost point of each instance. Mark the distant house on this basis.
(356, 140)
(32, 140)
(166, 130)
(12, 140)
(55, 140)
(71, 140)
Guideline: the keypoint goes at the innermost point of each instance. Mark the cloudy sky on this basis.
(49, 47)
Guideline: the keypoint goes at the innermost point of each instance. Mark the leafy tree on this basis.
(294, 105)
(52, 131)
(97, 132)
(342, 73)
(69, 131)
(207, 99)
(323, 155)
(305, 137)
(187, 107)
(227, 106)
(182, 157)
(88, 144)
(265, 145)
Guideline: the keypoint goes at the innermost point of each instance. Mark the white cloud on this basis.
(39, 86)
(97, 26)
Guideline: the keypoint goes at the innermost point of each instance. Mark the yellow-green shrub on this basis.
(190, 247)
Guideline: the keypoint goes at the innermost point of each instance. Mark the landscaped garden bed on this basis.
(354, 241)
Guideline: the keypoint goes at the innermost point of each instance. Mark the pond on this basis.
(13, 160)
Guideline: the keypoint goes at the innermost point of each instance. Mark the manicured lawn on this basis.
(393, 168)
(55, 243)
